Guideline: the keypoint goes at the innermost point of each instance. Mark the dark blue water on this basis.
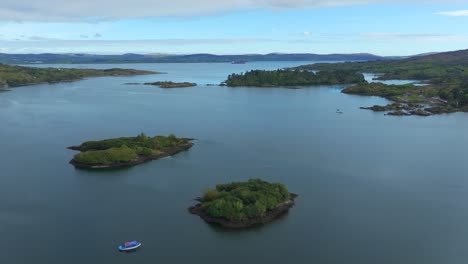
(373, 188)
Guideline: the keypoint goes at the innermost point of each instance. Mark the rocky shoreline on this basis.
(139, 160)
(269, 216)
(399, 109)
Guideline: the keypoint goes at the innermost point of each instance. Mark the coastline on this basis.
(81, 74)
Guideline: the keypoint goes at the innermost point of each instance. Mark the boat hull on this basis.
(123, 248)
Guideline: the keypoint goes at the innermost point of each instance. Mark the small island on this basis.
(169, 84)
(291, 78)
(244, 204)
(127, 151)
(14, 76)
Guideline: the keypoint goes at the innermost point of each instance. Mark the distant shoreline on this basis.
(17, 76)
(190, 58)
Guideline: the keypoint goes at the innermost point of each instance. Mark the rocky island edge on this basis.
(244, 204)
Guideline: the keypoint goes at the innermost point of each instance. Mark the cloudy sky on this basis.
(233, 26)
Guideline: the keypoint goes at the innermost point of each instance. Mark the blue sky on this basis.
(234, 27)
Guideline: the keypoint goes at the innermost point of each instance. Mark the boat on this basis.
(238, 62)
(131, 245)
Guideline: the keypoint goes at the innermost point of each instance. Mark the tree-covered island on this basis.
(127, 151)
(170, 84)
(284, 77)
(446, 76)
(244, 204)
(14, 76)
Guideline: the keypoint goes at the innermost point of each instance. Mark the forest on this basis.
(285, 77)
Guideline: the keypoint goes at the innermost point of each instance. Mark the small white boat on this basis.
(127, 246)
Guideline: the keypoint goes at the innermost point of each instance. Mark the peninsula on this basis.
(14, 76)
(127, 151)
(244, 204)
(286, 77)
(445, 75)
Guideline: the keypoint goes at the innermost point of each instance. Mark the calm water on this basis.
(373, 188)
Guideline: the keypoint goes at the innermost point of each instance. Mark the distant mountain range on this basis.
(51, 58)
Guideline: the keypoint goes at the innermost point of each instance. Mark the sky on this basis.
(387, 28)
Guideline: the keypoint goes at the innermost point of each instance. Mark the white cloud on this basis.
(457, 13)
(92, 10)
(391, 37)
(306, 33)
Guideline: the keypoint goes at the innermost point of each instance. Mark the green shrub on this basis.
(108, 156)
(144, 151)
(210, 195)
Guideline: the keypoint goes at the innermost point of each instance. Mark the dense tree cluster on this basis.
(242, 200)
(458, 96)
(262, 78)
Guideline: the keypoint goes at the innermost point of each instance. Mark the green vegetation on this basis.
(433, 72)
(393, 91)
(13, 76)
(446, 74)
(125, 149)
(261, 78)
(400, 109)
(410, 98)
(118, 154)
(140, 141)
(169, 84)
(243, 200)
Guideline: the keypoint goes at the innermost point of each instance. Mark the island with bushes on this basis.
(445, 76)
(14, 76)
(127, 151)
(291, 78)
(244, 204)
(170, 84)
